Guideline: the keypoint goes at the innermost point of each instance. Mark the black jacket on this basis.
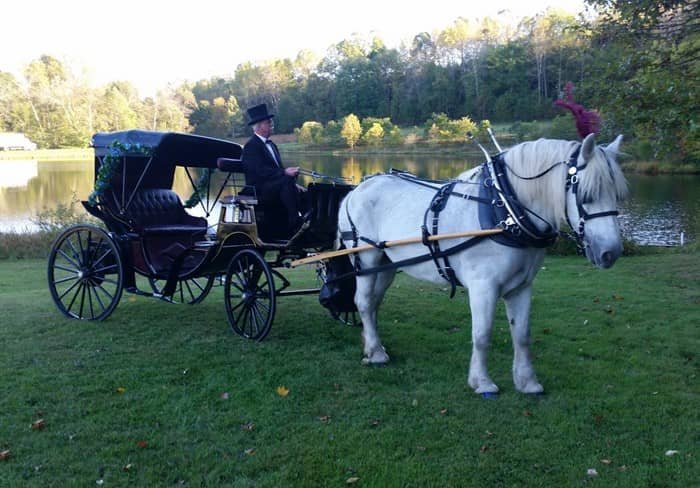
(261, 169)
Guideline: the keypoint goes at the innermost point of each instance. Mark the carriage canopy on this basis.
(166, 151)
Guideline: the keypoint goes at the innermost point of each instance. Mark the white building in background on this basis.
(15, 141)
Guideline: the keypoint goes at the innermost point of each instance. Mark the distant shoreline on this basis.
(86, 154)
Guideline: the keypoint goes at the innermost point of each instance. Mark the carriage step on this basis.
(135, 291)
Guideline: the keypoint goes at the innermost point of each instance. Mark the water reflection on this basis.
(658, 210)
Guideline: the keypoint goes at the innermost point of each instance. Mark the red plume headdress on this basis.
(587, 121)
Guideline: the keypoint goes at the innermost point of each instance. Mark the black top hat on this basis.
(258, 113)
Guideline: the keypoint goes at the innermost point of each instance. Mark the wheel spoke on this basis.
(109, 295)
(104, 255)
(63, 280)
(105, 269)
(89, 295)
(76, 254)
(70, 259)
(68, 290)
(75, 295)
(97, 297)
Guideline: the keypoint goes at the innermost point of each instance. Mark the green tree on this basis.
(215, 118)
(310, 133)
(351, 131)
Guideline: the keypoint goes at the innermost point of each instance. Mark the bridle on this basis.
(572, 181)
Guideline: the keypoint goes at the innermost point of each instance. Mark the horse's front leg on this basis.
(482, 302)
(369, 294)
(518, 310)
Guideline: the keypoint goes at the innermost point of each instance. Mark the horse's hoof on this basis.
(367, 362)
(490, 395)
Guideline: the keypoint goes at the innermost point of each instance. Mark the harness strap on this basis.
(411, 261)
(438, 203)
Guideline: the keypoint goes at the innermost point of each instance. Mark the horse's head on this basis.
(595, 185)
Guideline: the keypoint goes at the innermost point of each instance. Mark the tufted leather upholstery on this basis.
(159, 211)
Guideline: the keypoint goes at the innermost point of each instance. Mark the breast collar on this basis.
(509, 213)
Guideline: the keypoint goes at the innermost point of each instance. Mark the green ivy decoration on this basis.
(201, 188)
(111, 162)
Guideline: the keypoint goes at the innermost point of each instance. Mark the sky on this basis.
(153, 43)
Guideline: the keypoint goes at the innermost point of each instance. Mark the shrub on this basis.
(374, 135)
(441, 128)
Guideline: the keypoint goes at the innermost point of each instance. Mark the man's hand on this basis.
(292, 171)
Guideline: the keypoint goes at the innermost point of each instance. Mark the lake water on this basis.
(658, 210)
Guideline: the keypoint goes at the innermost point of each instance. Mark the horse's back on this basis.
(386, 207)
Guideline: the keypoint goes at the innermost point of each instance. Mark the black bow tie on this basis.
(268, 141)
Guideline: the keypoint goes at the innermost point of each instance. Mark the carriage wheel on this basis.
(351, 319)
(85, 273)
(249, 295)
(190, 291)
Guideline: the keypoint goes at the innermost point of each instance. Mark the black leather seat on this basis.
(160, 211)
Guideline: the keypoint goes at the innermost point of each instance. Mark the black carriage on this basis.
(148, 231)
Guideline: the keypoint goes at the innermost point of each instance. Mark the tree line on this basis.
(636, 63)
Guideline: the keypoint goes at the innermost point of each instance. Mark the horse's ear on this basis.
(587, 147)
(614, 146)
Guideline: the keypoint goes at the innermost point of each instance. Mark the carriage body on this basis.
(148, 231)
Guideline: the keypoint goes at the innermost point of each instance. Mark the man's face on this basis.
(265, 128)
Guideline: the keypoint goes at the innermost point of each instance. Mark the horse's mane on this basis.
(601, 176)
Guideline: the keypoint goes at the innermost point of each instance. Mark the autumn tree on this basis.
(351, 131)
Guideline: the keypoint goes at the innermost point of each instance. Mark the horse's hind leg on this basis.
(369, 294)
(518, 311)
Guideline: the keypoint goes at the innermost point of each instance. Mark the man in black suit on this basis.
(274, 184)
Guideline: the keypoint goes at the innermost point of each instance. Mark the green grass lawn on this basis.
(163, 395)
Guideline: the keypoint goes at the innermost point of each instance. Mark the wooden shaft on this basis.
(398, 242)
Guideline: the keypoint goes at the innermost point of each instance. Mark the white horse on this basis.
(386, 207)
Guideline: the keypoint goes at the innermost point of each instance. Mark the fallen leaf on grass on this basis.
(249, 427)
(591, 472)
(618, 297)
(671, 452)
(443, 411)
(282, 391)
(325, 418)
(605, 461)
(375, 423)
(225, 395)
(38, 424)
(250, 451)
(142, 444)
(484, 448)
(121, 390)
(352, 480)
(527, 413)
(5, 454)
(127, 468)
